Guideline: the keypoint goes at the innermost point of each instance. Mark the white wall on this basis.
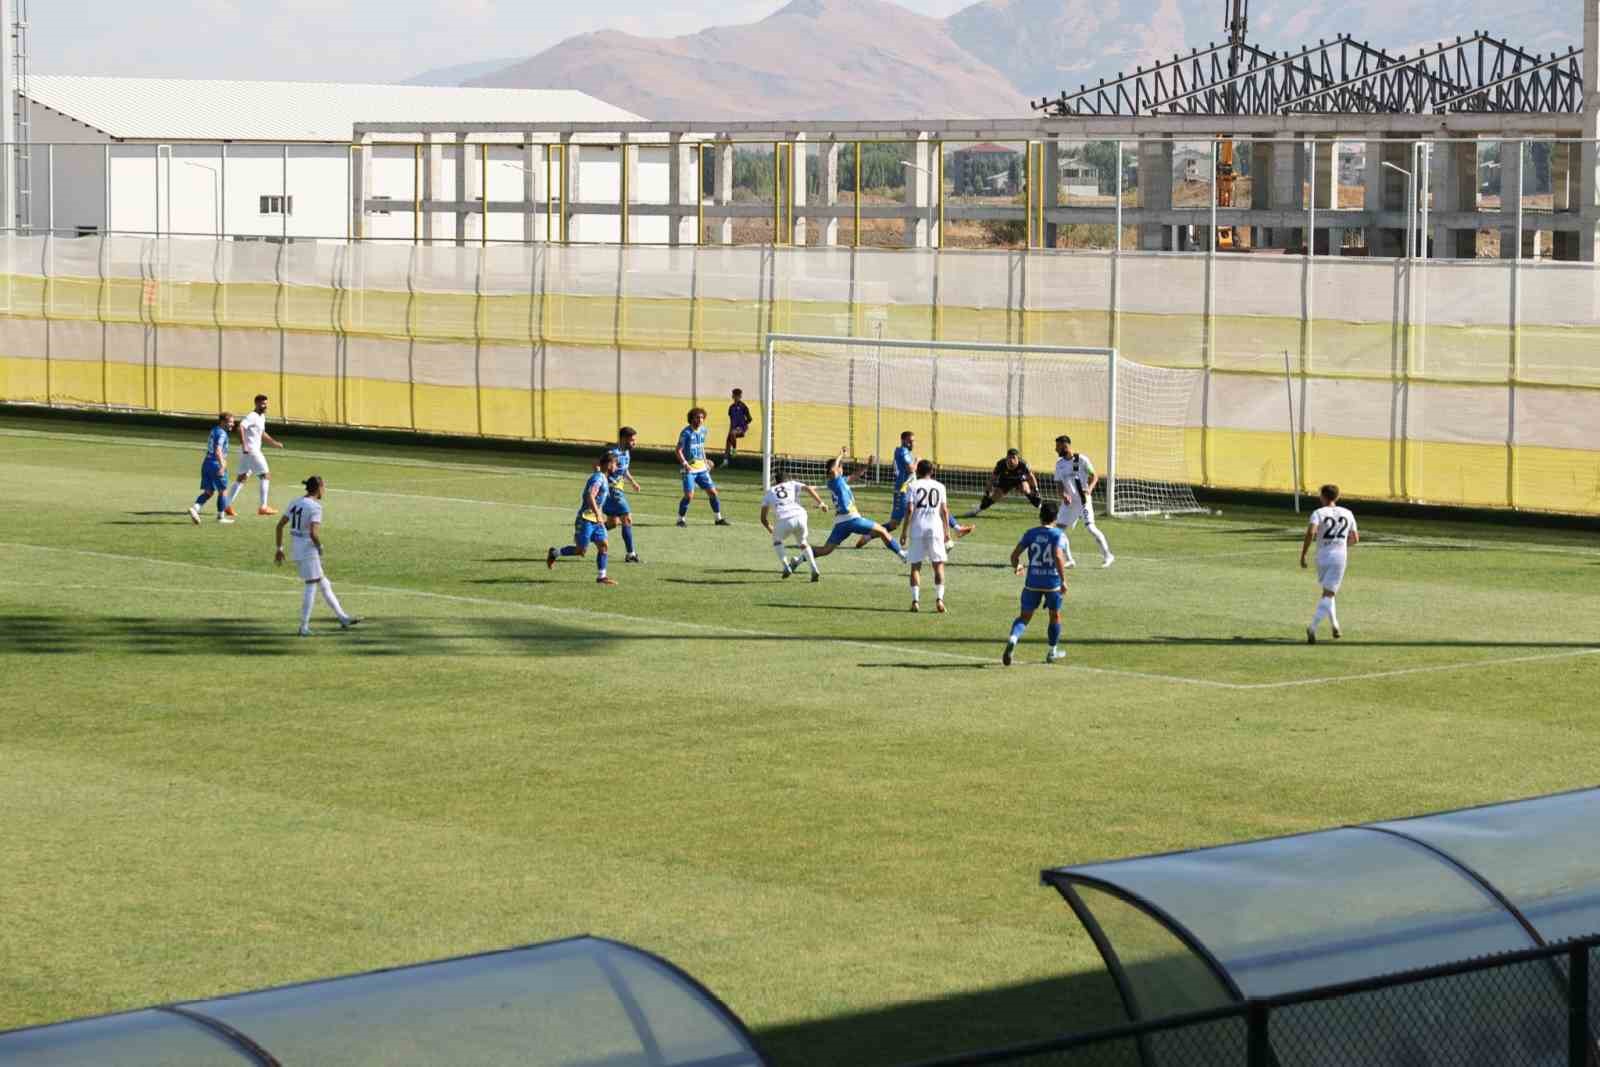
(68, 179)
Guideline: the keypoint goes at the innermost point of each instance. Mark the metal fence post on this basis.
(1579, 1045)
(1258, 1047)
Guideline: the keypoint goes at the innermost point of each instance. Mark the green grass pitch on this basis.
(830, 810)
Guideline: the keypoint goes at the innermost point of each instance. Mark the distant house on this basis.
(984, 169)
(1079, 179)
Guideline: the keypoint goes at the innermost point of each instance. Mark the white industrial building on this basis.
(275, 161)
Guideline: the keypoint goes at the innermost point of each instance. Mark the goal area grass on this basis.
(830, 810)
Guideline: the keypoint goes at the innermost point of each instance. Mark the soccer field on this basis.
(831, 811)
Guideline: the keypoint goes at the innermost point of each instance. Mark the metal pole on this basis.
(483, 237)
(284, 229)
(50, 184)
(768, 371)
(1111, 434)
(1116, 263)
(877, 399)
(1294, 452)
(222, 191)
(1311, 220)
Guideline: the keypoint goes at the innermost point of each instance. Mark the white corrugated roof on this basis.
(205, 110)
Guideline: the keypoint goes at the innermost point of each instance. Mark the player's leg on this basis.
(938, 586)
(597, 536)
(1065, 522)
(916, 586)
(1333, 612)
(713, 498)
(958, 529)
(1324, 603)
(780, 535)
(688, 498)
(238, 484)
(889, 541)
(266, 494)
(1019, 625)
(630, 556)
(308, 600)
(990, 495)
(1106, 558)
(1054, 632)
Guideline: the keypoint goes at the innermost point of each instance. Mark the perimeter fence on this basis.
(1535, 1008)
(1452, 382)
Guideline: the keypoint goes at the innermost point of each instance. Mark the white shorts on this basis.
(310, 565)
(253, 463)
(1071, 513)
(1331, 572)
(927, 547)
(797, 528)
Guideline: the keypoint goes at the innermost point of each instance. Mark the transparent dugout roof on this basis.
(1294, 913)
(574, 1003)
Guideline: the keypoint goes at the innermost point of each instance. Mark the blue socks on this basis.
(683, 507)
(200, 500)
(627, 537)
(1017, 627)
(894, 546)
(953, 523)
(600, 562)
(569, 550)
(1055, 634)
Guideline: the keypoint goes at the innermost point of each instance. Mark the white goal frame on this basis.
(769, 366)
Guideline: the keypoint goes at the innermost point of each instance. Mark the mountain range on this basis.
(836, 59)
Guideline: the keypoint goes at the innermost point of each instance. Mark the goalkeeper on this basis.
(1011, 475)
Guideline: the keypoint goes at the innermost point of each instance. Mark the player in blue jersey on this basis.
(905, 471)
(214, 471)
(738, 425)
(847, 520)
(617, 511)
(691, 453)
(590, 527)
(1046, 568)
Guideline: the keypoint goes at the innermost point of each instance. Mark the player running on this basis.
(1077, 479)
(617, 511)
(738, 425)
(1333, 527)
(848, 521)
(214, 471)
(304, 519)
(252, 432)
(783, 498)
(927, 518)
(590, 526)
(1046, 568)
(1011, 474)
(691, 453)
(905, 463)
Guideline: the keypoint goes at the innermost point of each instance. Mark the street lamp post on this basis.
(216, 193)
(1411, 206)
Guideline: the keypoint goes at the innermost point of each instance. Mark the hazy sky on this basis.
(347, 40)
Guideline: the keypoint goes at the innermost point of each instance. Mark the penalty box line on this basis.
(618, 617)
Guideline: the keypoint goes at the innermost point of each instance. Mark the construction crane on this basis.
(1236, 20)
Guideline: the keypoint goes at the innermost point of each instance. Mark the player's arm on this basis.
(767, 525)
(1016, 557)
(821, 504)
(277, 557)
(944, 518)
(632, 481)
(861, 470)
(905, 520)
(271, 440)
(1305, 543)
(218, 454)
(1094, 480)
(1061, 567)
(591, 497)
(314, 531)
(683, 461)
(1354, 539)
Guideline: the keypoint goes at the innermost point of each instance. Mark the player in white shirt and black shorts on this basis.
(304, 520)
(784, 516)
(252, 434)
(924, 532)
(1333, 528)
(1077, 478)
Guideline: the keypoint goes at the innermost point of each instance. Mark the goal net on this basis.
(969, 403)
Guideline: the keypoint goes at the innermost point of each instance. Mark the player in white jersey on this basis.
(925, 532)
(1333, 528)
(252, 434)
(304, 520)
(784, 516)
(1077, 478)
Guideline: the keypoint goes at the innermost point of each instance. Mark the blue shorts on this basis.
(901, 506)
(213, 479)
(589, 533)
(616, 506)
(851, 525)
(698, 478)
(1032, 598)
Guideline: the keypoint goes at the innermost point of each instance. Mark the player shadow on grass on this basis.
(1347, 642)
(837, 607)
(150, 518)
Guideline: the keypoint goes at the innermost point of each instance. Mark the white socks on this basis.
(811, 558)
(1099, 539)
(1333, 611)
(938, 591)
(306, 600)
(264, 488)
(1324, 609)
(783, 557)
(329, 599)
(916, 594)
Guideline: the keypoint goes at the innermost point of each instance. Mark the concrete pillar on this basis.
(1051, 191)
(918, 177)
(797, 185)
(466, 173)
(1563, 156)
(433, 223)
(627, 188)
(828, 161)
(683, 184)
(360, 186)
(723, 189)
(1260, 190)
(572, 156)
(1586, 189)
(1285, 181)
(1513, 157)
(1326, 168)
(1155, 194)
(1453, 174)
(530, 188)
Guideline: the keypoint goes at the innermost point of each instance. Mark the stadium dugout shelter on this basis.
(1185, 932)
(580, 1002)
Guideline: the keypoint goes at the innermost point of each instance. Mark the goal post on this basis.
(969, 402)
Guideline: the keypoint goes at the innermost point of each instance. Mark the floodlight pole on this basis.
(766, 414)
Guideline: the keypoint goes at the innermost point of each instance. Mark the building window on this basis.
(88, 231)
(277, 205)
(376, 210)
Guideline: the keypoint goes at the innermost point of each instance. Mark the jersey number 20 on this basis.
(927, 497)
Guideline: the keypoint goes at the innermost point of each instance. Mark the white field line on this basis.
(606, 616)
